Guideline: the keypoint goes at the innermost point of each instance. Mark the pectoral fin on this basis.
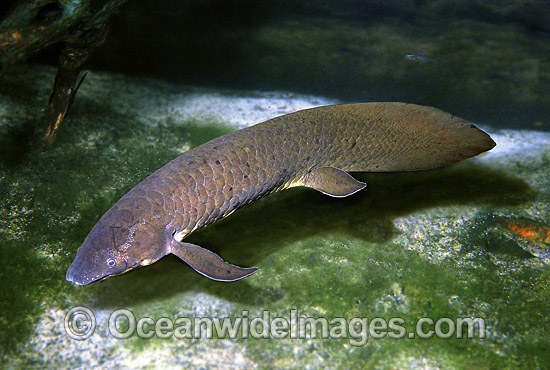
(333, 181)
(208, 263)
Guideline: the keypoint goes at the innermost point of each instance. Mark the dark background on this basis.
(488, 61)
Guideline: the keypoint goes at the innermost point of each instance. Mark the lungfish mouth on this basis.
(77, 280)
(75, 276)
(80, 275)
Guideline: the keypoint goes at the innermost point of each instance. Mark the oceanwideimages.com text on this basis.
(80, 323)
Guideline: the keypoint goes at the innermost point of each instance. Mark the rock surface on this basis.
(451, 243)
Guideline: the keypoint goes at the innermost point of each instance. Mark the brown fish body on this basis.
(310, 148)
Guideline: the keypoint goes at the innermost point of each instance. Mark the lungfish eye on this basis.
(111, 262)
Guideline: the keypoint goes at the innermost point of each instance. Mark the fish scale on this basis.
(312, 148)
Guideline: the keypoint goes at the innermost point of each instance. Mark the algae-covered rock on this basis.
(462, 243)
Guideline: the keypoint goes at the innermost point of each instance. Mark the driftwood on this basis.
(76, 28)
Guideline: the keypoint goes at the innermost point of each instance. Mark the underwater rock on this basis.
(409, 246)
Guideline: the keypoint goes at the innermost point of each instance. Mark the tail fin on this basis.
(410, 137)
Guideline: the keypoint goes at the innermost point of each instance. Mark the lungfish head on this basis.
(119, 242)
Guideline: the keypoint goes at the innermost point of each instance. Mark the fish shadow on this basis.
(251, 235)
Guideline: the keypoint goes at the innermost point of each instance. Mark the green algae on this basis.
(409, 245)
(54, 198)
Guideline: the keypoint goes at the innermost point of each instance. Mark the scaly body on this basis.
(312, 148)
